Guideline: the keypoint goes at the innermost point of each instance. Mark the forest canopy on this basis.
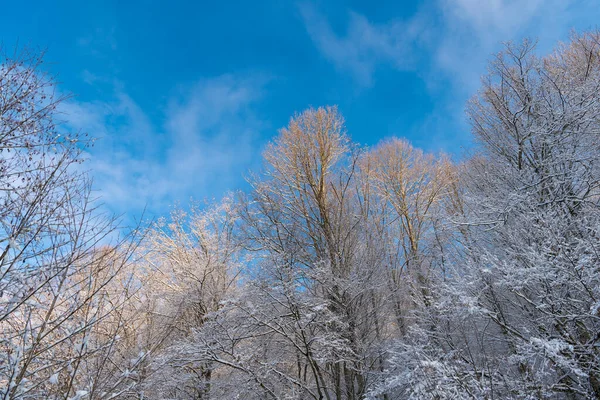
(345, 272)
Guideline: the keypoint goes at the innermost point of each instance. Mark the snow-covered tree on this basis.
(53, 270)
(188, 269)
(521, 301)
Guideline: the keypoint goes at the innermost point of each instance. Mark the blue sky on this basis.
(184, 95)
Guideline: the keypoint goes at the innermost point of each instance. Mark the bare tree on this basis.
(51, 272)
(309, 309)
(415, 186)
(189, 268)
(521, 298)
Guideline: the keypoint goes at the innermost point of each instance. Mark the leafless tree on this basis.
(52, 271)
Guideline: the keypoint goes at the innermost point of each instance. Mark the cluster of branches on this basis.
(64, 280)
(344, 273)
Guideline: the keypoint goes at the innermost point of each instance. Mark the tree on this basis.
(52, 271)
(415, 187)
(189, 267)
(538, 122)
(521, 299)
(323, 240)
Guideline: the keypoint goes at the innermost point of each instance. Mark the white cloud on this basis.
(453, 38)
(209, 133)
(492, 17)
(472, 31)
(364, 45)
(447, 43)
(208, 138)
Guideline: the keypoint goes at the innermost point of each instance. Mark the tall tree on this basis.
(521, 301)
(52, 272)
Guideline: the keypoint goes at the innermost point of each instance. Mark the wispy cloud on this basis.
(209, 133)
(447, 43)
(454, 37)
(493, 17)
(209, 136)
(364, 45)
(99, 42)
(474, 30)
